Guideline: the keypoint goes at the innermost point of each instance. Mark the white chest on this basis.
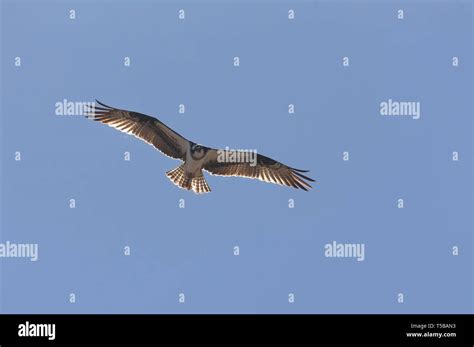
(192, 165)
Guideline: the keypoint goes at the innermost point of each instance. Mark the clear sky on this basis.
(283, 61)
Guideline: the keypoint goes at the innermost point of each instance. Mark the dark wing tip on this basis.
(301, 180)
(93, 111)
(292, 168)
(104, 105)
(304, 176)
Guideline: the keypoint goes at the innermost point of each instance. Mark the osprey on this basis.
(195, 157)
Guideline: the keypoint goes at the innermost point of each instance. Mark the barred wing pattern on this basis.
(266, 169)
(146, 128)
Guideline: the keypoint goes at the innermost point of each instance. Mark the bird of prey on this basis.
(195, 157)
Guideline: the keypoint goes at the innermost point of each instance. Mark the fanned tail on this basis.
(200, 185)
(179, 177)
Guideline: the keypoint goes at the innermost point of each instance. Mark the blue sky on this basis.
(132, 203)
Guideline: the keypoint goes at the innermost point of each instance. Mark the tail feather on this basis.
(200, 185)
(178, 176)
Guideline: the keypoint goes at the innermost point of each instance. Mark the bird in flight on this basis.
(196, 157)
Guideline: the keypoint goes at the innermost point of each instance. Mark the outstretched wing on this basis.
(144, 127)
(264, 169)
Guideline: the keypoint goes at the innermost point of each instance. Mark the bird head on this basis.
(198, 151)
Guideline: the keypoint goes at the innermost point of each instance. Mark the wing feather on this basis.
(146, 128)
(266, 169)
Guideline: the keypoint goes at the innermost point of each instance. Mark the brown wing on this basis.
(144, 127)
(266, 169)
